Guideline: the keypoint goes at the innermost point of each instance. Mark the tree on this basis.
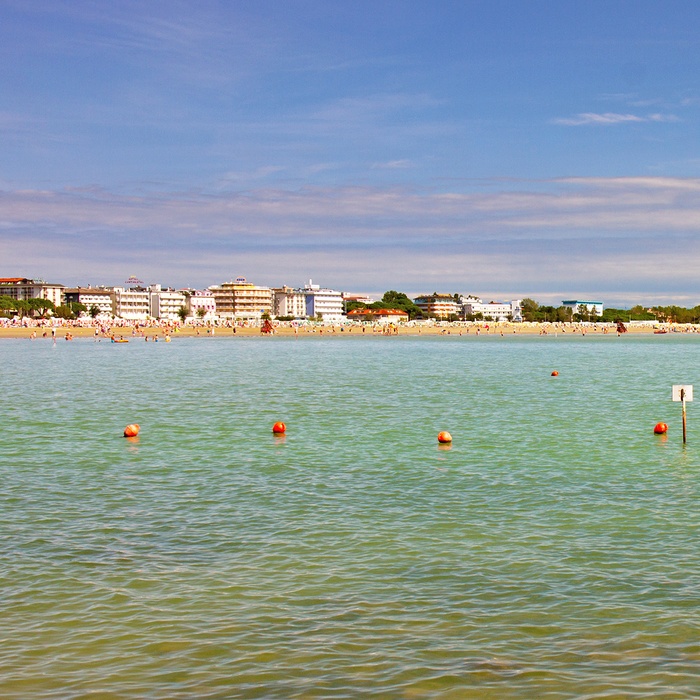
(22, 307)
(94, 311)
(582, 313)
(352, 305)
(182, 313)
(63, 311)
(529, 308)
(40, 306)
(7, 303)
(201, 312)
(77, 308)
(397, 300)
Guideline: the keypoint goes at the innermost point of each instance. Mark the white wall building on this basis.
(21, 288)
(326, 303)
(591, 306)
(99, 297)
(131, 304)
(497, 311)
(289, 302)
(165, 304)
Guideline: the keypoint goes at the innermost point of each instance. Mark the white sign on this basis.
(687, 392)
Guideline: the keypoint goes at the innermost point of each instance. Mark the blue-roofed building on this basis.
(591, 306)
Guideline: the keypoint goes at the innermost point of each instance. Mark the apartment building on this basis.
(440, 305)
(132, 304)
(287, 301)
(22, 288)
(241, 299)
(91, 297)
(165, 304)
(326, 303)
(494, 310)
(200, 304)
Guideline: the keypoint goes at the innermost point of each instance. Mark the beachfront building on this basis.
(165, 304)
(21, 289)
(200, 304)
(324, 303)
(100, 298)
(287, 301)
(132, 304)
(494, 310)
(241, 299)
(383, 316)
(440, 305)
(591, 307)
(361, 298)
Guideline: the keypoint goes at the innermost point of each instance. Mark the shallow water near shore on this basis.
(550, 552)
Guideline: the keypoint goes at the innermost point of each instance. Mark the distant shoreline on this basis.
(337, 330)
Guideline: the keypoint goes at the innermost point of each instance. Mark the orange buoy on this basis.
(555, 373)
(660, 428)
(279, 428)
(444, 436)
(132, 430)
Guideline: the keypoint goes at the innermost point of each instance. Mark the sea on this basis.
(552, 550)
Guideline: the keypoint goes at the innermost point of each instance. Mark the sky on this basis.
(504, 148)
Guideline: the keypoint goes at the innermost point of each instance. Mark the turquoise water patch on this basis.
(551, 551)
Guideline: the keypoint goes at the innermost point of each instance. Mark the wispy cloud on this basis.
(527, 236)
(393, 165)
(612, 119)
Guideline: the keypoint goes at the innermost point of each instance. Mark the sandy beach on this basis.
(332, 330)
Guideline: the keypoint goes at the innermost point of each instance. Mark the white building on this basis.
(496, 311)
(591, 306)
(201, 304)
(326, 303)
(287, 301)
(100, 298)
(21, 289)
(132, 304)
(165, 304)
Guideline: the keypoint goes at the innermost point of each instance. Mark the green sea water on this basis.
(551, 552)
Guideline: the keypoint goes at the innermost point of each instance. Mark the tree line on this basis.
(532, 311)
(43, 307)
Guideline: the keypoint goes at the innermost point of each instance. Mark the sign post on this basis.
(683, 393)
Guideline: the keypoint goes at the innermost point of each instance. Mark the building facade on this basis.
(383, 316)
(132, 304)
(595, 307)
(201, 304)
(165, 304)
(91, 297)
(21, 289)
(324, 303)
(440, 305)
(289, 302)
(241, 299)
(494, 310)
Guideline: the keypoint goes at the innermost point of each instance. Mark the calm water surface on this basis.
(552, 552)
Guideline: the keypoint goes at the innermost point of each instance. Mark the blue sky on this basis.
(514, 148)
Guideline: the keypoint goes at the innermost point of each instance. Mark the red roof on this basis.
(377, 312)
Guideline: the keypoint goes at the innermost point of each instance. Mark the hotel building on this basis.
(21, 289)
(241, 299)
(99, 297)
